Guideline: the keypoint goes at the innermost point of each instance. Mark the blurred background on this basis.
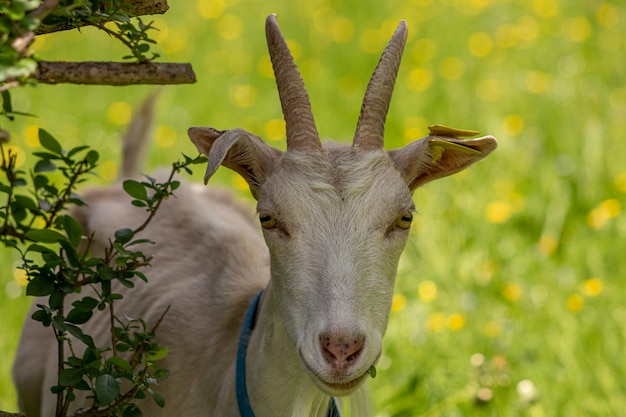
(510, 295)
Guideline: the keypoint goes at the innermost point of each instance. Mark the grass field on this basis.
(510, 295)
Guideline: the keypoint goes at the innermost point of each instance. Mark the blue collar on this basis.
(242, 393)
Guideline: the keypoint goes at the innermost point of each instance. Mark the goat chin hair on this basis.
(315, 404)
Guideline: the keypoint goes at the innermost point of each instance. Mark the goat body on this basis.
(335, 220)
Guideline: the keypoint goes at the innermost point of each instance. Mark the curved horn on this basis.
(370, 129)
(294, 100)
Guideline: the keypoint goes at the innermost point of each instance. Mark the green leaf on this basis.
(131, 410)
(44, 236)
(157, 356)
(43, 316)
(124, 236)
(26, 203)
(73, 230)
(40, 249)
(78, 316)
(78, 333)
(49, 142)
(56, 300)
(44, 165)
(90, 356)
(7, 105)
(40, 286)
(86, 304)
(126, 283)
(75, 150)
(106, 273)
(92, 157)
(158, 398)
(70, 253)
(120, 363)
(69, 377)
(107, 389)
(135, 189)
(29, 23)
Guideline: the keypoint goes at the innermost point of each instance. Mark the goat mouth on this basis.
(331, 387)
(342, 388)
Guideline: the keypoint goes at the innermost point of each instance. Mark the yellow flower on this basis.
(398, 303)
(275, 129)
(244, 95)
(546, 8)
(513, 125)
(499, 211)
(480, 44)
(575, 303)
(20, 277)
(342, 29)
(211, 9)
(420, 79)
(436, 322)
(512, 292)
(605, 211)
(427, 291)
(165, 136)
(456, 322)
(31, 136)
(608, 16)
(120, 112)
(592, 287)
(452, 68)
(230, 27)
(577, 29)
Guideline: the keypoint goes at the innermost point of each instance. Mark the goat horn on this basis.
(294, 100)
(370, 129)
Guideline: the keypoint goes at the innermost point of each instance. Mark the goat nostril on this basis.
(341, 350)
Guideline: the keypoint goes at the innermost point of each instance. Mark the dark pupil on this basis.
(406, 218)
(265, 219)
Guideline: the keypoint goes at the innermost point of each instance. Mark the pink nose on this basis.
(341, 350)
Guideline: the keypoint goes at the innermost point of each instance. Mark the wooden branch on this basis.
(114, 73)
(5, 414)
(132, 7)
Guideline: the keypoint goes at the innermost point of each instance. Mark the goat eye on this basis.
(404, 221)
(267, 221)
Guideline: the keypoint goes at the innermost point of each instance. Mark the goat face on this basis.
(335, 223)
(336, 218)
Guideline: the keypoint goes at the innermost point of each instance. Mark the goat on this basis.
(335, 219)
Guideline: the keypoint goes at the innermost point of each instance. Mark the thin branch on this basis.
(112, 320)
(44, 9)
(22, 42)
(114, 73)
(60, 358)
(133, 7)
(9, 85)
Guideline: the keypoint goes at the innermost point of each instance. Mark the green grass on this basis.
(515, 262)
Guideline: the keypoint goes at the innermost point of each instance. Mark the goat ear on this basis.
(436, 157)
(241, 151)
